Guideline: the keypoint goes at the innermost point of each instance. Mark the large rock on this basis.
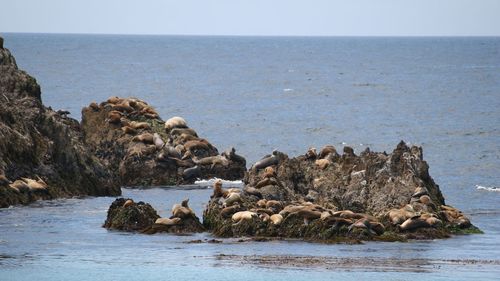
(131, 139)
(126, 215)
(327, 196)
(41, 150)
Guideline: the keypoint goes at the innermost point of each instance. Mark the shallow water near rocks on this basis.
(259, 94)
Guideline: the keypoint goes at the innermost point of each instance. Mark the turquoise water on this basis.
(259, 94)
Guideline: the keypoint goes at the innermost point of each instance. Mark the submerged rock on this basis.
(332, 197)
(42, 155)
(126, 215)
(139, 148)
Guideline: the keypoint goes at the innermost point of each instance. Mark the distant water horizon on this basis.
(263, 93)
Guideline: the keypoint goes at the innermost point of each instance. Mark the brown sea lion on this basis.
(140, 125)
(252, 191)
(19, 186)
(114, 100)
(414, 223)
(212, 160)
(182, 210)
(276, 219)
(322, 163)
(94, 106)
(269, 172)
(196, 144)
(231, 199)
(35, 185)
(311, 154)
(327, 150)
(180, 131)
(275, 204)
(261, 203)
(129, 130)
(114, 117)
(218, 190)
(227, 212)
(122, 107)
(266, 181)
(372, 227)
(146, 138)
(425, 199)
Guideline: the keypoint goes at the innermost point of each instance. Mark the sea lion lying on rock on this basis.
(182, 210)
(238, 217)
(175, 122)
(168, 222)
(266, 161)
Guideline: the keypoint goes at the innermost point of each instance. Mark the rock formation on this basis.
(140, 148)
(126, 215)
(327, 196)
(42, 155)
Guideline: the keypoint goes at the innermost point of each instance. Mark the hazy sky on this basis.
(254, 17)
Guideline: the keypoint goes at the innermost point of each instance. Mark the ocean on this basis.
(258, 94)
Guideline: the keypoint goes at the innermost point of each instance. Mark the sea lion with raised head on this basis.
(311, 154)
(127, 203)
(218, 190)
(326, 151)
(182, 210)
(266, 162)
(158, 142)
(231, 155)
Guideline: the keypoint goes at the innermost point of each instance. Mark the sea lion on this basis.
(327, 150)
(114, 117)
(114, 100)
(122, 107)
(196, 144)
(242, 216)
(175, 122)
(227, 212)
(425, 199)
(262, 211)
(261, 203)
(252, 191)
(414, 223)
(311, 154)
(231, 199)
(182, 210)
(266, 181)
(127, 203)
(276, 219)
(146, 138)
(264, 217)
(231, 155)
(274, 204)
(158, 142)
(183, 138)
(348, 214)
(266, 162)
(171, 151)
(322, 163)
(129, 130)
(35, 185)
(94, 106)
(212, 160)
(269, 172)
(420, 191)
(372, 227)
(140, 125)
(19, 186)
(167, 221)
(190, 173)
(181, 131)
(218, 191)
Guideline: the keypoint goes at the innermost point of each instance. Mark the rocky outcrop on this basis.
(126, 215)
(139, 148)
(331, 197)
(42, 155)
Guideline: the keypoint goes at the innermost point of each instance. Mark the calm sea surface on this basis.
(258, 94)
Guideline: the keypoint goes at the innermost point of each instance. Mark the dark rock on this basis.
(110, 129)
(365, 197)
(135, 217)
(36, 142)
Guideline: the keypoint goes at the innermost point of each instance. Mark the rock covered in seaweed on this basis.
(42, 155)
(127, 215)
(327, 196)
(140, 148)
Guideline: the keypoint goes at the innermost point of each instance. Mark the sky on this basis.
(255, 17)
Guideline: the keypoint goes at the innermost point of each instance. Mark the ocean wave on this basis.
(488, 188)
(225, 183)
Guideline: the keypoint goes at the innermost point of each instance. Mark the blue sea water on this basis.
(258, 94)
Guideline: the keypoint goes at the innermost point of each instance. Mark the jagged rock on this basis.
(131, 139)
(131, 216)
(126, 215)
(327, 196)
(36, 141)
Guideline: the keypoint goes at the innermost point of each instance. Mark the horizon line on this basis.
(246, 35)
